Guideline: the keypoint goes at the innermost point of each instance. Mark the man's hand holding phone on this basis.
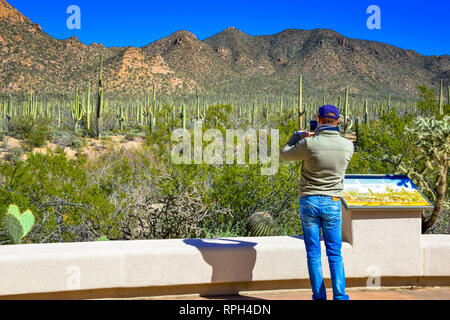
(305, 134)
(299, 135)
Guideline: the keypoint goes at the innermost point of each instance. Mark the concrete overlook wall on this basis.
(381, 247)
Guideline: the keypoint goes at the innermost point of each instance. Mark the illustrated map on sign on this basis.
(382, 191)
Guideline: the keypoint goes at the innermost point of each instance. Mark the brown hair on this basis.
(330, 121)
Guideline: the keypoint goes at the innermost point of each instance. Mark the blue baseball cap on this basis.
(324, 110)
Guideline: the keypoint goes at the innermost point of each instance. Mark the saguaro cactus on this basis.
(346, 110)
(174, 115)
(448, 95)
(264, 112)
(300, 103)
(366, 113)
(183, 115)
(88, 108)
(154, 98)
(198, 104)
(357, 129)
(254, 114)
(78, 110)
(152, 120)
(121, 117)
(100, 101)
(348, 123)
(389, 103)
(9, 110)
(281, 104)
(441, 99)
(30, 100)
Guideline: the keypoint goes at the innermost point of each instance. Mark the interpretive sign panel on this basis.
(382, 191)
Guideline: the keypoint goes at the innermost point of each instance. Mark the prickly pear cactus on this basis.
(18, 225)
(103, 238)
(260, 224)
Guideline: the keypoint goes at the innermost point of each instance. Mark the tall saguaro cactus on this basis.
(346, 110)
(357, 129)
(441, 99)
(198, 104)
(300, 103)
(366, 113)
(9, 110)
(88, 108)
(389, 103)
(78, 110)
(30, 103)
(348, 123)
(448, 95)
(254, 114)
(154, 98)
(281, 103)
(183, 115)
(100, 97)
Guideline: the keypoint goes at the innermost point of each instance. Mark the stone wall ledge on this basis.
(117, 269)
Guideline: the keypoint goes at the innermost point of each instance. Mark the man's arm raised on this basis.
(296, 148)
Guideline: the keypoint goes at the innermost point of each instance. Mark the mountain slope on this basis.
(328, 61)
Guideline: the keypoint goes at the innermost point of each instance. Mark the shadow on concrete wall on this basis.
(231, 260)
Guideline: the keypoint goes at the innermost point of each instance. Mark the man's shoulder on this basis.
(347, 144)
(337, 140)
(346, 141)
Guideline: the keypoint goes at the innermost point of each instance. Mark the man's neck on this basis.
(324, 127)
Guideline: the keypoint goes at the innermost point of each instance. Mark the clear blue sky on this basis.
(419, 25)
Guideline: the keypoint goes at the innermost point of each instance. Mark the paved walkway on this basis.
(413, 293)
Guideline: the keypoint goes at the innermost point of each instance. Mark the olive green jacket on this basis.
(325, 160)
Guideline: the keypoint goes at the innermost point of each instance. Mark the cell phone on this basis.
(313, 125)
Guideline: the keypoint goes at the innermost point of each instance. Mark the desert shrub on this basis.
(133, 133)
(66, 137)
(3, 134)
(381, 138)
(217, 117)
(15, 155)
(241, 189)
(35, 131)
(67, 206)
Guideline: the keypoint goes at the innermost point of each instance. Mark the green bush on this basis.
(240, 189)
(35, 131)
(65, 137)
(15, 155)
(67, 205)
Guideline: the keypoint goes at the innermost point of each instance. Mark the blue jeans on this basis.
(323, 212)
